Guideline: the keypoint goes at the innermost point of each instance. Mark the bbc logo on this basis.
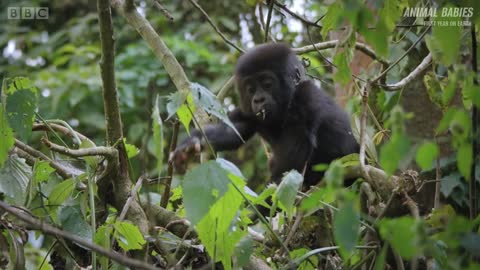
(27, 13)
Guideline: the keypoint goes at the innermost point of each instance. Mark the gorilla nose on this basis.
(259, 100)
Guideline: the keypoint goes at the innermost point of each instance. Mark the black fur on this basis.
(303, 125)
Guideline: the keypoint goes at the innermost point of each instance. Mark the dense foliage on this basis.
(410, 84)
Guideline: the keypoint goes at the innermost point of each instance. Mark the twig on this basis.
(173, 145)
(363, 131)
(294, 228)
(163, 10)
(438, 184)
(333, 43)
(133, 194)
(269, 18)
(92, 151)
(410, 77)
(402, 56)
(222, 93)
(27, 150)
(296, 16)
(215, 27)
(49, 229)
(159, 48)
(48, 126)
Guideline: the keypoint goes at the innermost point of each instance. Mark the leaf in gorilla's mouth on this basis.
(263, 113)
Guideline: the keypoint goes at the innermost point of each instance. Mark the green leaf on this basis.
(343, 70)
(71, 219)
(131, 149)
(6, 137)
(346, 224)
(202, 187)
(128, 236)
(380, 261)
(393, 152)
(444, 31)
(14, 179)
(217, 229)
(306, 264)
(207, 101)
(243, 251)
(449, 183)
(185, 112)
(61, 192)
(287, 190)
(175, 100)
(426, 154)
(391, 12)
(92, 161)
(157, 128)
(21, 102)
(334, 174)
(42, 171)
(465, 159)
(402, 234)
(332, 18)
(312, 202)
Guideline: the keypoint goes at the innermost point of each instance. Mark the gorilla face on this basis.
(258, 92)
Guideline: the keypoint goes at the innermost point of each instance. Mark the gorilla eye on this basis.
(267, 84)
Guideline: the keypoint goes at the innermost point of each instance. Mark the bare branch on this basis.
(215, 27)
(173, 145)
(222, 93)
(402, 56)
(333, 43)
(159, 48)
(27, 150)
(296, 16)
(92, 151)
(410, 77)
(162, 9)
(49, 229)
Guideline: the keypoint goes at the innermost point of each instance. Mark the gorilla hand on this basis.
(184, 153)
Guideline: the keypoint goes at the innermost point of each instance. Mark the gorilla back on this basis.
(303, 125)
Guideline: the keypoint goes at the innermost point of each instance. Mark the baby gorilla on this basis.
(303, 125)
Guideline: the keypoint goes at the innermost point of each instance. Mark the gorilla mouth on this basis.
(262, 113)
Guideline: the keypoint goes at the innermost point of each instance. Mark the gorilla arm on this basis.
(220, 136)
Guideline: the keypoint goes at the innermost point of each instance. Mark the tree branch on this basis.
(229, 42)
(410, 77)
(159, 48)
(49, 229)
(333, 43)
(92, 151)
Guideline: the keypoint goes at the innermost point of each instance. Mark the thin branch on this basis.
(48, 126)
(92, 151)
(269, 18)
(215, 27)
(222, 93)
(333, 43)
(173, 145)
(132, 196)
(296, 16)
(363, 131)
(402, 56)
(410, 77)
(163, 10)
(159, 48)
(27, 150)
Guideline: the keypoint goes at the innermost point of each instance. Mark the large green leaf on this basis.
(287, 190)
(217, 229)
(394, 151)
(14, 179)
(402, 234)
(426, 154)
(346, 224)
(21, 104)
(71, 219)
(202, 187)
(61, 192)
(128, 236)
(6, 137)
